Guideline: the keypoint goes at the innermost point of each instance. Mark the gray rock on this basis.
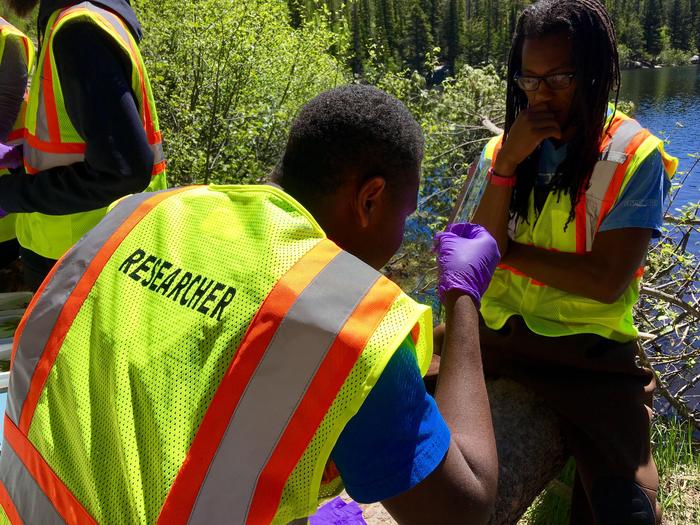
(695, 59)
(530, 448)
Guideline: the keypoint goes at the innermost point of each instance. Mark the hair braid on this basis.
(594, 55)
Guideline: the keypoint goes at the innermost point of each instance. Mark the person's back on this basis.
(201, 354)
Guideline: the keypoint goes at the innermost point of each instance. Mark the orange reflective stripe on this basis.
(180, 500)
(158, 168)
(617, 122)
(55, 146)
(517, 272)
(613, 192)
(639, 273)
(8, 506)
(324, 387)
(415, 333)
(49, 99)
(51, 485)
(75, 301)
(581, 218)
(15, 134)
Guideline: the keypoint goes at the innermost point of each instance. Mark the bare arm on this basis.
(603, 274)
(530, 128)
(463, 488)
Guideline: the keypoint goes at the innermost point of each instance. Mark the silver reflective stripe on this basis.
(41, 321)
(43, 160)
(158, 155)
(30, 501)
(280, 382)
(615, 150)
(603, 173)
(300, 521)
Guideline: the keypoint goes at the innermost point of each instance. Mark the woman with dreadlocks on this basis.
(575, 192)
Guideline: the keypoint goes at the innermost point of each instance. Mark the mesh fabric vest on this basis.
(51, 139)
(547, 310)
(193, 359)
(16, 136)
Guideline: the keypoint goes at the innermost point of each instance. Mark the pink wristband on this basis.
(499, 180)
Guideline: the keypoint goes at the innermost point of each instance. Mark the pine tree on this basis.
(653, 22)
(681, 25)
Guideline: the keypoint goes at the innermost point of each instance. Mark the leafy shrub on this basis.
(228, 78)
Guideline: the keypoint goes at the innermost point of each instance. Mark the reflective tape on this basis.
(280, 382)
(30, 502)
(41, 319)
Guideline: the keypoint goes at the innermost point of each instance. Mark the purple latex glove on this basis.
(337, 512)
(467, 256)
(3, 213)
(10, 156)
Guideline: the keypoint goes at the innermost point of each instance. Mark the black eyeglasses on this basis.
(556, 81)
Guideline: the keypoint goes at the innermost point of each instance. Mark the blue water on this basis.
(668, 104)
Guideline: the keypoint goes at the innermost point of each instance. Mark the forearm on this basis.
(586, 275)
(461, 393)
(493, 214)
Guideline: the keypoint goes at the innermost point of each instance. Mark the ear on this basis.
(368, 199)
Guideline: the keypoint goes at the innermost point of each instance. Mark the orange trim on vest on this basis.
(55, 147)
(180, 501)
(62, 499)
(49, 99)
(581, 223)
(15, 134)
(415, 333)
(9, 506)
(613, 191)
(517, 272)
(158, 168)
(324, 387)
(608, 136)
(75, 301)
(639, 273)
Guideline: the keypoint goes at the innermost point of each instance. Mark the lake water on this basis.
(668, 104)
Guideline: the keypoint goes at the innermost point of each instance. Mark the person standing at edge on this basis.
(16, 58)
(92, 133)
(245, 337)
(575, 192)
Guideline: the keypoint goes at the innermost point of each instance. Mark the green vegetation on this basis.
(677, 457)
(404, 32)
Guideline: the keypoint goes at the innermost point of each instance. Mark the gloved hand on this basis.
(467, 256)
(10, 156)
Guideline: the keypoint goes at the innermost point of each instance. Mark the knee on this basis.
(618, 501)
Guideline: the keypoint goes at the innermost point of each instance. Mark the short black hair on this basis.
(594, 55)
(353, 130)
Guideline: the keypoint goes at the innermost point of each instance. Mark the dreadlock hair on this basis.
(594, 55)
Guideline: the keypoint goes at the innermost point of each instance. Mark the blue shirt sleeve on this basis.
(641, 204)
(396, 439)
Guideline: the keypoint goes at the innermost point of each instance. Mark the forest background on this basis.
(229, 77)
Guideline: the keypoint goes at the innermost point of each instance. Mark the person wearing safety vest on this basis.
(225, 354)
(91, 129)
(575, 192)
(16, 58)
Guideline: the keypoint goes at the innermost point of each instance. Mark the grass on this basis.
(677, 456)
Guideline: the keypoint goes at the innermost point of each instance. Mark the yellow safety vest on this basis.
(547, 310)
(51, 139)
(193, 359)
(16, 136)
